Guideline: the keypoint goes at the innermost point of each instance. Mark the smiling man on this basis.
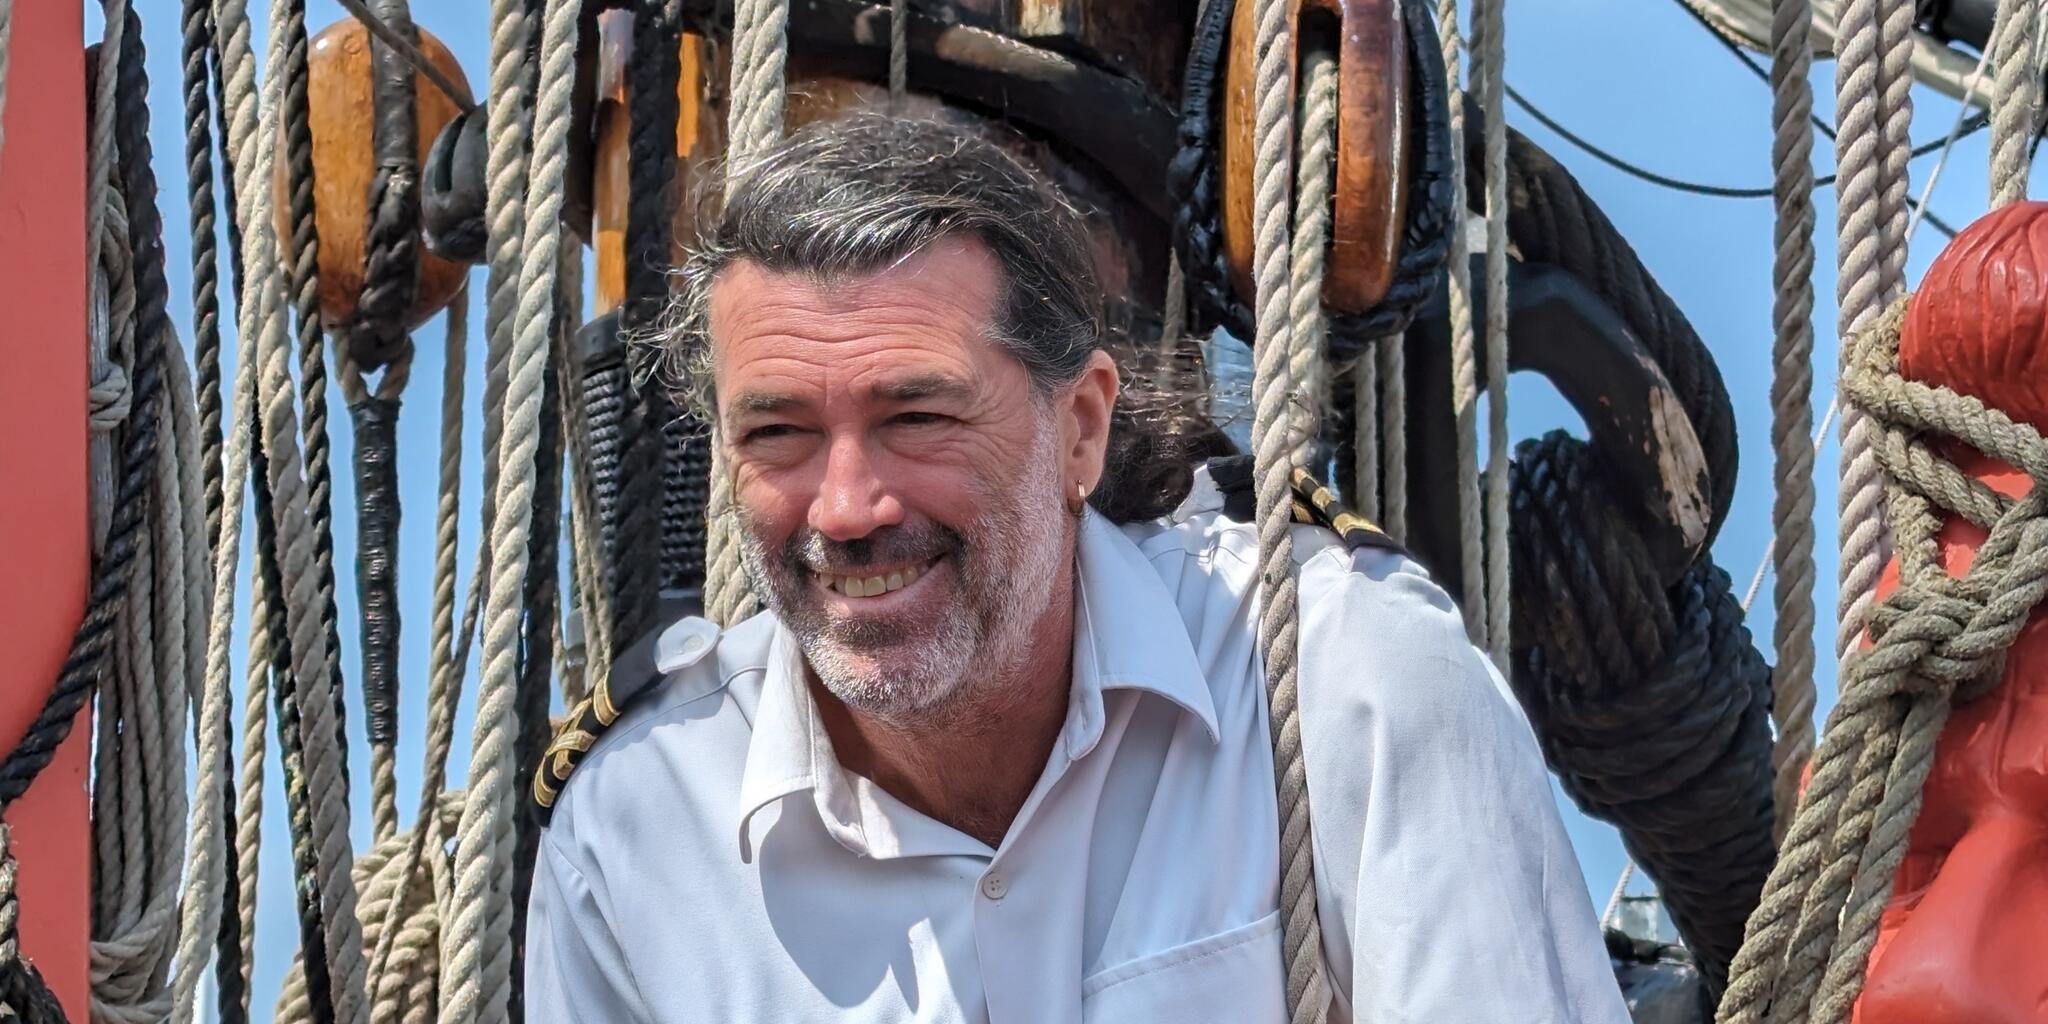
(987, 755)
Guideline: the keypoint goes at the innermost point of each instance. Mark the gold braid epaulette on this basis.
(578, 733)
(1317, 505)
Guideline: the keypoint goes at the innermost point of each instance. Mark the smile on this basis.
(875, 585)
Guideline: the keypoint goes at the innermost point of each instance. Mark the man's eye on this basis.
(769, 432)
(918, 419)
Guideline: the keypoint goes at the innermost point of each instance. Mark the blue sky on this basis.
(1638, 77)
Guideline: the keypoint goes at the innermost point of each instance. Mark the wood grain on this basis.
(342, 108)
(1372, 129)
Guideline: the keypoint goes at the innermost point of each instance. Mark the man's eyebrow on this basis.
(764, 402)
(928, 385)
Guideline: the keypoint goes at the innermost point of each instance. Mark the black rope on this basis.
(379, 332)
(1194, 180)
(1640, 173)
(651, 155)
(1971, 127)
(304, 258)
(1651, 703)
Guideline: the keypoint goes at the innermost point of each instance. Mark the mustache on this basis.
(809, 550)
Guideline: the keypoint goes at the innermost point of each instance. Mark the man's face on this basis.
(898, 480)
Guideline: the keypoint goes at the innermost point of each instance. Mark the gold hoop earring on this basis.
(1080, 505)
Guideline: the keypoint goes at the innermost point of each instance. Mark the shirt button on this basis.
(993, 886)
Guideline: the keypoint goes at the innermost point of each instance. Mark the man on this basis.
(989, 756)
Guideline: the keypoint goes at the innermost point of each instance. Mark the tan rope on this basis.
(478, 945)
(2015, 99)
(1792, 696)
(1275, 352)
(1315, 178)
(1464, 344)
(1936, 640)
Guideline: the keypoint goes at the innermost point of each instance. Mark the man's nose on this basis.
(1971, 950)
(853, 501)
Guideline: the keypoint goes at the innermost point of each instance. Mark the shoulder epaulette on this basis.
(633, 674)
(1314, 504)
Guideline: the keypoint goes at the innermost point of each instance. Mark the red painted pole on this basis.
(44, 557)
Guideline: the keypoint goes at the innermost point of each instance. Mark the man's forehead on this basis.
(905, 386)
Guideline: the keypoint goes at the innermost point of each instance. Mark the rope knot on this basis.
(108, 399)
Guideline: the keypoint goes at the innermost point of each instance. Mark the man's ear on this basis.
(1089, 403)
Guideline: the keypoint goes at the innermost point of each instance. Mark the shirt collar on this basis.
(1128, 634)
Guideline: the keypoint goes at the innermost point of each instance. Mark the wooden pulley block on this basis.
(341, 106)
(1373, 115)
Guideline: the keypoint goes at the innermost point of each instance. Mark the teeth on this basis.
(874, 586)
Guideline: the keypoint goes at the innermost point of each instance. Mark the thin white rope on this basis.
(1464, 344)
(1273, 134)
(1863, 288)
(1392, 359)
(477, 948)
(1489, 29)
(1365, 430)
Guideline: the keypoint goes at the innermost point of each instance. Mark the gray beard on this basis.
(1004, 567)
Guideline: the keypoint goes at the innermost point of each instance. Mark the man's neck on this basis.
(972, 763)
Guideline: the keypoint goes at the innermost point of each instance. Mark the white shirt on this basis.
(711, 861)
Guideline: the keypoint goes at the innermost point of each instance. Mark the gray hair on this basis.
(856, 194)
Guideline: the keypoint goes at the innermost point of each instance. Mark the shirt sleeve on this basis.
(1447, 886)
(575, 967)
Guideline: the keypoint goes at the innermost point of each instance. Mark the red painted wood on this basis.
(43, 546)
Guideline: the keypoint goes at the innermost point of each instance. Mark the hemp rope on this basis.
(107, 404)
(1489, 66)
(1392, 370)
(196, 50)
(248, 829)
(1937, 640)
(262, 323)
(1365, 429)
(1315, 178)
(1862, 289)
(1464, 345)
(1307, 994)
(760, 53)
(899, 52)
(1792, 693)
(2015, 99)
(477, 948)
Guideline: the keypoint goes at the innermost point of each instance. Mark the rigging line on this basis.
(1820, 434)
(1965, 126)
(411, 52)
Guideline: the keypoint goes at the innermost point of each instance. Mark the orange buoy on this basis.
(341, 101)
(1962, 935)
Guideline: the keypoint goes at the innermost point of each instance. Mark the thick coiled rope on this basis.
(1649, 698)
(2015, 99)
(1464, 347)
(760, 54)
(23, 992)
(262, 326)
(1937, 640)
(1275, 351)
(1792, 696)
(1862, 289)
(477, 948)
